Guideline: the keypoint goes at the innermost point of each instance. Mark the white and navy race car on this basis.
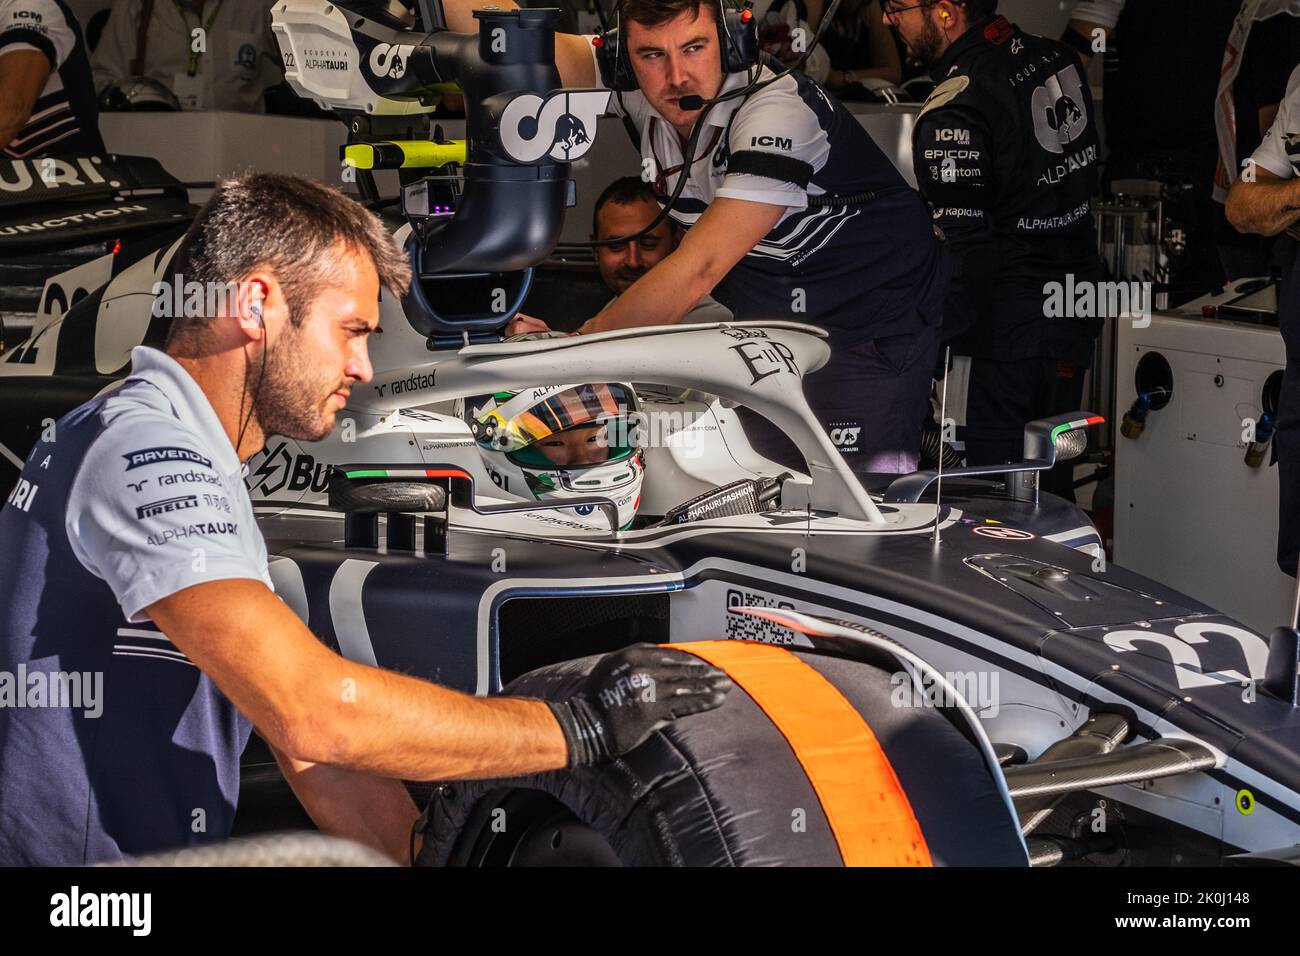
(971, 663)
(928, 672)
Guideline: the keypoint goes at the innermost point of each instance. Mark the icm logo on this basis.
(387, 60)
(780, 142)
(959, 136)
(1058, 114)
(562, 126)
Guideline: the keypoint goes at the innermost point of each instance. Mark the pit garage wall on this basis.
(1189, 512)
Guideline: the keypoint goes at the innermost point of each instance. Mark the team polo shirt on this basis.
(860, 271)
(65, 117)
(111, 741)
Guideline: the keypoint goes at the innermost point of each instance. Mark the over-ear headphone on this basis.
(737, 39)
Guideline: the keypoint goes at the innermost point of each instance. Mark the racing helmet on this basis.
(563, 441)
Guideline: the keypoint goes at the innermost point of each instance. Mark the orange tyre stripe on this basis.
(869, 814)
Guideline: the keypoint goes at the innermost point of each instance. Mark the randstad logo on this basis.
(562, 126)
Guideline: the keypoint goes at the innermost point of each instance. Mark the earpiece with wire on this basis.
(254, 311)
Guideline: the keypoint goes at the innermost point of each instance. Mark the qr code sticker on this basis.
(745, 627)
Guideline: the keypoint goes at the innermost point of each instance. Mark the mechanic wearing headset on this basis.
(1006, 152)
(47, 100)
(129, 550)
(791, 212)
(1267, 203)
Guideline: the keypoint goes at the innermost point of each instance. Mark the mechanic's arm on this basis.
(573, 56)
(721, 237)
(1086, 20)
(953, 161)
(375, 811)
(318, 707)
(23, 74)
(1267, 206)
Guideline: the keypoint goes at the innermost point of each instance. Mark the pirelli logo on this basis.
(179, 503)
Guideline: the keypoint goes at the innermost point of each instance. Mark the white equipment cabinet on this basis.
(1189, 511)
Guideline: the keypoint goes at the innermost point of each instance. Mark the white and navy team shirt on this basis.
(65, 118)
(127, 499)
(1279, 154)
(862, 270)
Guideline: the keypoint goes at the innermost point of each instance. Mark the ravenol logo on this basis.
(562, 126)
(155, 456)
(165, 505)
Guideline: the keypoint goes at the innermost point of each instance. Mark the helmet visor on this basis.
(524, 419)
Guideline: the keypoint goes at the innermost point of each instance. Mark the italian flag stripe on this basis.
(406, 473)
(1082, 422)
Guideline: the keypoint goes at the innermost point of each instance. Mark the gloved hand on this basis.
(631, 694)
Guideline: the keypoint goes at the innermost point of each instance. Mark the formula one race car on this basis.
(929, 670)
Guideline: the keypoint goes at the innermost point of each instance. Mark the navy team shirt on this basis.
(131, 497)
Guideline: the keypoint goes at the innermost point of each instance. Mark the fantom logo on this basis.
(562, 126)
(1057, 107)
(387, 60)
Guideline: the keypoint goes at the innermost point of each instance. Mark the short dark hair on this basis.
(979, 9)
(624, 192)
(291, 225)
(651, 13)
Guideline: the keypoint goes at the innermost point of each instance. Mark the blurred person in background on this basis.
(1262, 50)
(211, 54)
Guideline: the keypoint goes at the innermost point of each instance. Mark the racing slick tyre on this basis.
(812, 762)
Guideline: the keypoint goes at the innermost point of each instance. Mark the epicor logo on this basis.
(390, 61)
(562, 126)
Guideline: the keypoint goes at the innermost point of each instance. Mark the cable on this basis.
(256, 310)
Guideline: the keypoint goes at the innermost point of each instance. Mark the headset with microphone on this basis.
(737, 39)
(741, 52)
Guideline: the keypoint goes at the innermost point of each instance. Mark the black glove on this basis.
(631, 694)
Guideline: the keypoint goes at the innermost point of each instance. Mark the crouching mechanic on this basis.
(1006, 152)
(791, 212)
(1267, 203)
(129, 550)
